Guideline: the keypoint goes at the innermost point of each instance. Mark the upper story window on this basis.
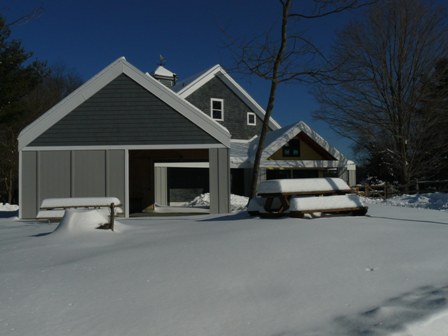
(251, 119)
(292, 148)
(217, 109)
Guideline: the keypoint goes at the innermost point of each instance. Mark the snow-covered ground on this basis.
(436, 201)
(383, 274)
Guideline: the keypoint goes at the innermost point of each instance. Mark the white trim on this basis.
(249, 114)
(126, 147)
(121, 66)
(20, 184)
(219, 72)
(182, 164)
(212, 100)
(126, 183)
(241, 140)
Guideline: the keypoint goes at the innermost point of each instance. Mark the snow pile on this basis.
(79, 221)
(237, 203)
(201, 201)
(8, 210)
(8, 207)
(434, 201)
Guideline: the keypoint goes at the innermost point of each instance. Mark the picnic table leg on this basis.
(112, 216)
(284, 202)
(268, 204)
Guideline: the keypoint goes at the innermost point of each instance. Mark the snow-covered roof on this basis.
(242, 154)
(192, 84)
(239, 154)
(163, 72)
(277, 139)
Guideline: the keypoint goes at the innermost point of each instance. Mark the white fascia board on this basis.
(182, 164)
(182, 106)
(125, 147)
(219, 72)
(20, 184)
(240, 140)
(69, 103)
(198, 82)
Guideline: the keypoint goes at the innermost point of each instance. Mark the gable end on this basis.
(123, 113)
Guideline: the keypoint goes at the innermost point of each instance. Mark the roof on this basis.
(192, 84)
(99, 81)
(242, 154)
(161, 71)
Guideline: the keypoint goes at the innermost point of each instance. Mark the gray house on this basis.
(112, 137)
(148, 140)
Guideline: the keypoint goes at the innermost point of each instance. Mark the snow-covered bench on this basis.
(54, 208)
(351, 203)
(274, 195)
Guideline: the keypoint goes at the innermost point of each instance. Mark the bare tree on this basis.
(286, 55)
(375, 96)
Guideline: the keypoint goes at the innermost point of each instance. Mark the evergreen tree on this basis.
(18, 77)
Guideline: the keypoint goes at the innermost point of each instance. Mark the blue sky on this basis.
(89, 35)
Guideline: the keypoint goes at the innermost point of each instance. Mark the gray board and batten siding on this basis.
(71, 173)
(235, 110)
(123, 113)
(219, 175)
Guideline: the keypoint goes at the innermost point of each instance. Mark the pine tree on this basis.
(18, 77)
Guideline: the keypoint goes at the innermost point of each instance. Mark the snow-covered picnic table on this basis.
(300, 196)
(54, 208)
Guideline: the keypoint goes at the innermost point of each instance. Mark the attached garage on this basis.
(107, 137)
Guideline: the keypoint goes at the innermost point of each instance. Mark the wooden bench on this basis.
(274, 196)
(54, 208)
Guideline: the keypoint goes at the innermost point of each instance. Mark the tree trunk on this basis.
(274, 83)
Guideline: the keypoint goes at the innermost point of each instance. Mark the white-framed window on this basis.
(251, 119)
(217, 108)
